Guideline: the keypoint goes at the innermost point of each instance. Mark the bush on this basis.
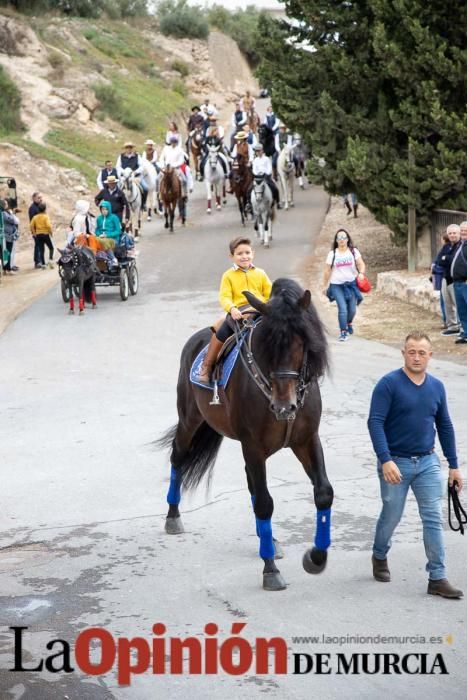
(180, 88)
(10, 105)
(177, 18)
(181, 67)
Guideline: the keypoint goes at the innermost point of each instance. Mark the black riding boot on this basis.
(355, 209)
(144, 199)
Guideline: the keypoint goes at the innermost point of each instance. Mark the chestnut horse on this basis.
(272, 401)
(170, 193)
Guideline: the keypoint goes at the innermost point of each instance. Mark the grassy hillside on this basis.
(123, 68)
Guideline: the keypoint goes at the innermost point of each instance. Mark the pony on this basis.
(262, 204)
(241, 180)
(214, 176)
(196, 149)
(299, 158)
(77, 269)
(286, 173)
(134, 197)
(149, 177)
(272, 401)
(170, 194)
(267, 139)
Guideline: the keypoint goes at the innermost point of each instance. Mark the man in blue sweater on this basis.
(408, 406)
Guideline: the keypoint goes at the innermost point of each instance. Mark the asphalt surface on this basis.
(83, 488)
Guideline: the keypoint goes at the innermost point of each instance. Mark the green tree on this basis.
(362, 80)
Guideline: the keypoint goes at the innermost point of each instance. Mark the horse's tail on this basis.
(200, 457)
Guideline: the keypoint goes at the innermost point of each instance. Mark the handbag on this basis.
(364, 284)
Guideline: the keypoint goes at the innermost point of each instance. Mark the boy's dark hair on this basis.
(41, 207)
(109, 161)
(417, 335)
(240, 240)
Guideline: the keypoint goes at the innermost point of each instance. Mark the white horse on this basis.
(149, 180)
(286, 173)
(262, 203)
(214, 176)
(134, 198)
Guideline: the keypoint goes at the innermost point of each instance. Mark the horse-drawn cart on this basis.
(124, 275)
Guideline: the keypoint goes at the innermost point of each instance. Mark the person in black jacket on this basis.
(113, 194)
(458, 273)
(443, 262)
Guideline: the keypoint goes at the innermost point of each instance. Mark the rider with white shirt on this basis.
(174, 155)
(262, 166)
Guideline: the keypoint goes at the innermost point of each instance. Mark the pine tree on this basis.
(360, 81)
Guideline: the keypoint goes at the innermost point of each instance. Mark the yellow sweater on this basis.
(236, 281)
(40, 223)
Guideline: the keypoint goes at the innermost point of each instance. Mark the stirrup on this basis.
(215, 401)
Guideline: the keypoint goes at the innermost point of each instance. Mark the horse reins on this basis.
(261, 380)
(455, 505)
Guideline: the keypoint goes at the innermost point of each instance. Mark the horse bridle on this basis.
(302, 377)
(126, 185)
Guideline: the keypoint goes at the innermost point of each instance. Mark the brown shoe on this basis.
(443, 588)
(205, 371)
(381, 570)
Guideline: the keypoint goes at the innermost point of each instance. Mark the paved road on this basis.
(83, 494)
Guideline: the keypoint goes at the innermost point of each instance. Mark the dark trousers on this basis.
(9, 247)
(42, 240)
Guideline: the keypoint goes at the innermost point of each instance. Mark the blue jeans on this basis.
(424, 476)
(346, 304)
(460, 290)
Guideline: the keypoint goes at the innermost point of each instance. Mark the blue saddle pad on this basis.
(227, 366)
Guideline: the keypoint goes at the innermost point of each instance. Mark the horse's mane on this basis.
(286, 319)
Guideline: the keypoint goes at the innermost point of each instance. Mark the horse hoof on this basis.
(174, 526)
(314, 560)
(71, 312)
(81, 313)
(273, 581)
(302, 187)
(166, 225)
(208, 211)
(149, 218)
(278, 551)
(292, 205)
(224, 201)
(218, 207)
(94, 306)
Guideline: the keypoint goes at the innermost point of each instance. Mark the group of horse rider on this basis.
(202, 127)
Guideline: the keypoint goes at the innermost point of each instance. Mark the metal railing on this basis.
(440, 220)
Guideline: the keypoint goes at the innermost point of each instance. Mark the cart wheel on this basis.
(133, 279)
(124, 285)
(65, 292)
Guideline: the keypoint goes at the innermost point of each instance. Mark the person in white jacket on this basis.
(174, 156)
(262, 166)
(82, 221)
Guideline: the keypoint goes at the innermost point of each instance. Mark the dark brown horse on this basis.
(272, 401)
(196, 147)
(170, 194)
(241, 180)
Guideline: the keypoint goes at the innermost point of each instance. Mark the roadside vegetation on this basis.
(380, 100)
(179, 19)
(10, 103)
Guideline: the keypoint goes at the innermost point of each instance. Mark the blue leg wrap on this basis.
(173, 494)
(323, 529)
(266, 545)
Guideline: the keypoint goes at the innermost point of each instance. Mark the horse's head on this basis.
(259, 186)
(213, 152)
(290, 345)
(127, 178)
(68, 263)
